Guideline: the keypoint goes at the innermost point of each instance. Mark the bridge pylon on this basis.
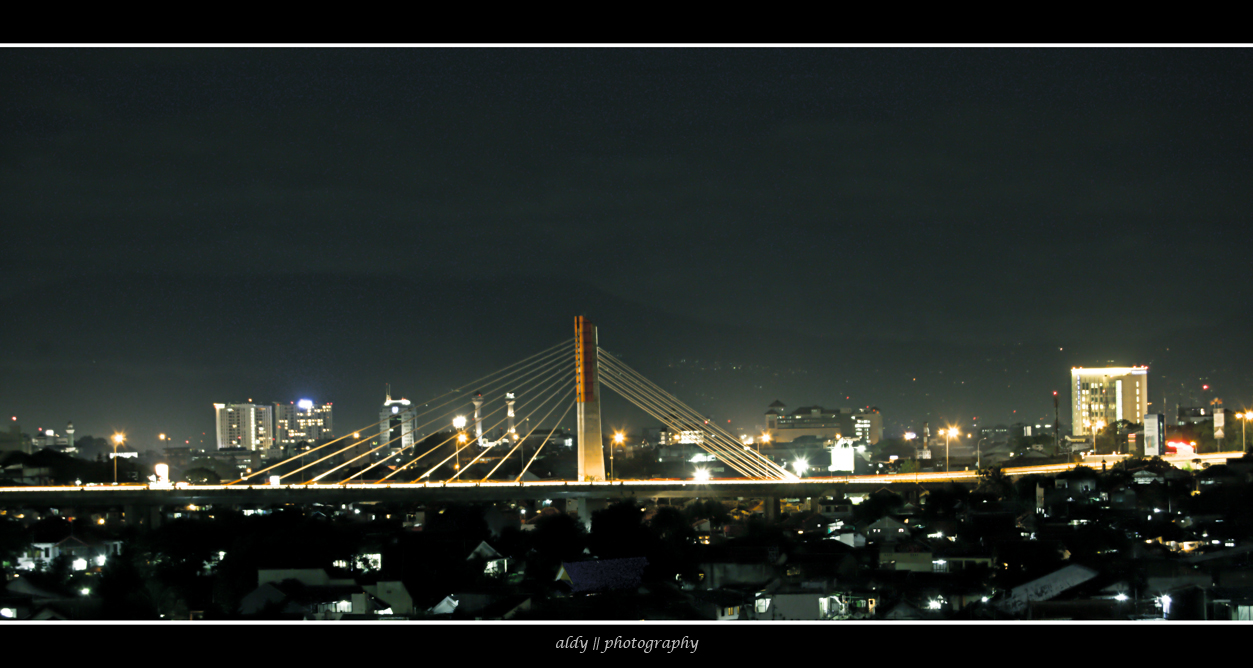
(587, 402)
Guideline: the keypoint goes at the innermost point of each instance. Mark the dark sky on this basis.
(941, 233)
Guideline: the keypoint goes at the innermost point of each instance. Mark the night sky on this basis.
(938, 232)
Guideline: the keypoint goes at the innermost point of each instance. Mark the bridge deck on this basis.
(262, 494)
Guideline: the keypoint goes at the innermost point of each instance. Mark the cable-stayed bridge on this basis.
(388, 460)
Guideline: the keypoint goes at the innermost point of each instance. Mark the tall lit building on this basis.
(1107, 395)
(302, 421)
(397, 421)
(249, 426)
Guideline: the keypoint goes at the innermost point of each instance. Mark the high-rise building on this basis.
(1104, 396)
(302, 421)
(249, 426)
(397, 420)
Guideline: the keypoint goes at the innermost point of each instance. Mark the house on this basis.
(789, 603)
(84, 554)
(733, 566)
(887, 529)
(494, 564)
(834, 509)
(905, 611)
(1044, 588)
(22, 600)
(308, 594)
(1077, 484)
(602, 574)
(721, 604)
(394, 595)
(906, 555)
(1219, 474)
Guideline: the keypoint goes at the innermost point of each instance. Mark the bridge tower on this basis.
(587, 401)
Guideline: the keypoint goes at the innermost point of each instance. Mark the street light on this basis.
(948, 434)
(459, 423)
(979, 453)
(1244, 421)
(618, 439)
(118, 439)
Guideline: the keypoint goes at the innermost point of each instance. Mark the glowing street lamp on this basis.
(459, 423)
(949, 434)
(619, 438)
(800, 466)
(701, 475)
(118, 439)
(1244, 422)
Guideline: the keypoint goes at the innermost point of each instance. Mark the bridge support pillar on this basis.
(587, 402)
(584, 508)
(772, 508)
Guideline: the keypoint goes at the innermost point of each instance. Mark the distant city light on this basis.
(306, 404)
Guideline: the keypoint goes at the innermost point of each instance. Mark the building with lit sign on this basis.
(397, 421)
(1104, 396)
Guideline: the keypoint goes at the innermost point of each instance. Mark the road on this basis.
(481, 491)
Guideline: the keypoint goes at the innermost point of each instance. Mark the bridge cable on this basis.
(623, 384)
(528, 435)
(458, 450)
(678, 426)
(488, 449)
(730, 441)
(545, 367)
(548, 366)
(545, 442)
(548, 353)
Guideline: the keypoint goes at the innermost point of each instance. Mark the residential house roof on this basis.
(603, 574)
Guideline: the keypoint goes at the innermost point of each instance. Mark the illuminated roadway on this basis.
(241, 493)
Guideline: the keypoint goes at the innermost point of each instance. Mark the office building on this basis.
(302, 421)
(249, 426)
(1106, 395)
(862, 424)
